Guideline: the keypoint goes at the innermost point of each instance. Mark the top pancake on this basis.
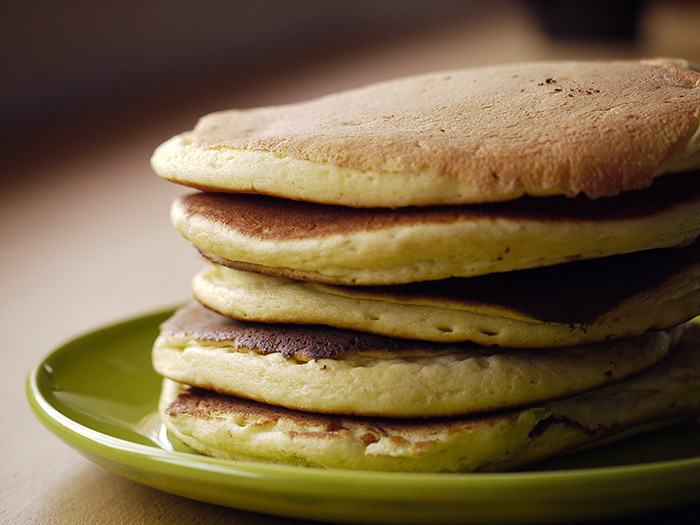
(478, 135)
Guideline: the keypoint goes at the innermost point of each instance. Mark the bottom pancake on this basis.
(323, 369)
(233, 428)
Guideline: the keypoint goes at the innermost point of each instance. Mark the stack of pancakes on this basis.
(463, 271)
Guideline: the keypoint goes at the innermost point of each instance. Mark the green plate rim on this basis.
(348, 496)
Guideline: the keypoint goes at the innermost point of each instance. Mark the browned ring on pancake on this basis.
(340, 245)
(271, 218)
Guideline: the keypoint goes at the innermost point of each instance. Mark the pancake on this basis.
(322, 369)
(341, 245)
(569, 304)
(477, 135)
(462, 271)
(233, 428)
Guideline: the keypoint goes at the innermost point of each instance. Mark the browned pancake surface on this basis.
(596, 128)
(205, 403)
(271, 218)
(292, 341)
(202, 403)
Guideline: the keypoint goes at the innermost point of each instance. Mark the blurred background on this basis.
(75, 63)
(89, 89)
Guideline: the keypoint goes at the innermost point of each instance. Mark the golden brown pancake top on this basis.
(595, 128)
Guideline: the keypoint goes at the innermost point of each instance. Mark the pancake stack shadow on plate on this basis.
(462, 271)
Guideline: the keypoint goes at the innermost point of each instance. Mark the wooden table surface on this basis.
(87, 240)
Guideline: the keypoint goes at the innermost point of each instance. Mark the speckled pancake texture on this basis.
(475, 135)
(233, 428)
(322, 369)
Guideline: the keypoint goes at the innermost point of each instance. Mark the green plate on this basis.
(98, 393)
